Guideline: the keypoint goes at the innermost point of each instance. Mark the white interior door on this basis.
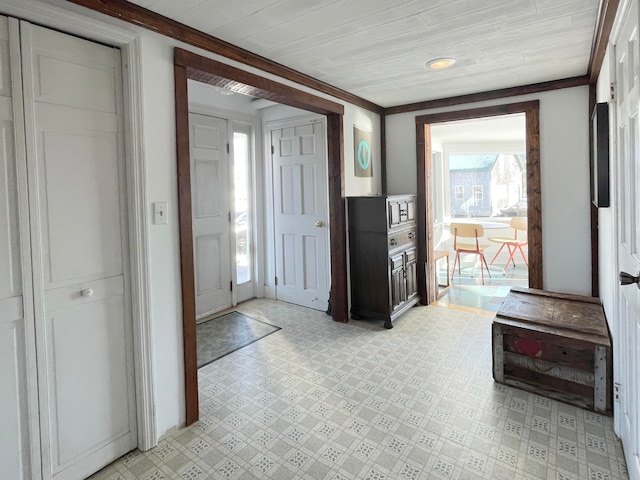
(211, 213)
(300, 214)
(72, 92)
(627, 323)
(16, 312)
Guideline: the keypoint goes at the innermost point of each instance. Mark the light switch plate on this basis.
(160, 213)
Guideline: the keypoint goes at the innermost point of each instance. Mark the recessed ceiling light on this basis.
(440, 63)
(224, 91)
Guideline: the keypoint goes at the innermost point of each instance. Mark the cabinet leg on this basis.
(388, 324)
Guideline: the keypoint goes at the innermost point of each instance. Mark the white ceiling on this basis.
(377, 49)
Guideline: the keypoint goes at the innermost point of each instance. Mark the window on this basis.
(459, 189)
(242, 172)
(477, 192)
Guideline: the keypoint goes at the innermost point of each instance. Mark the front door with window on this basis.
(211, 213)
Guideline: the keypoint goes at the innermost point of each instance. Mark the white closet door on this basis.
(75, 165)
(15, 311)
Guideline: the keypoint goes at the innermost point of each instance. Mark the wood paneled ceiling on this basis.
(377, 49)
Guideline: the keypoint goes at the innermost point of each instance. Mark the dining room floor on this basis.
(466, 289)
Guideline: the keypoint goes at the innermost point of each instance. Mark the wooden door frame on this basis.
(427, 289)
(188, 65)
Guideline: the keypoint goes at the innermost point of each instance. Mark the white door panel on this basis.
(14, 434)
(75, 163)
(208, 252)
(627, 322)
(83, 215)
(78, 383)
(15, 428)
(11, 280)
(88, 72)
(211, 229)
(301, 223)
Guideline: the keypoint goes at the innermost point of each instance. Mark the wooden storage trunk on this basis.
(555, 345)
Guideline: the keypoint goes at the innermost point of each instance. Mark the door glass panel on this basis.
(634, 198)
(631, 67)
(241, 156)
(621, 81)
(622, 179)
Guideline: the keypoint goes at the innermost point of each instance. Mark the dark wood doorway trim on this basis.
(426, 268)
(188, 65)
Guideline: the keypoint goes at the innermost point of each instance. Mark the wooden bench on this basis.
(555, 345)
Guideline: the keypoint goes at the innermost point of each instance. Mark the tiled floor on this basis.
(323, 400)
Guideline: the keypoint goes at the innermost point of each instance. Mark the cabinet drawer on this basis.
(401, 238)
(401, 211)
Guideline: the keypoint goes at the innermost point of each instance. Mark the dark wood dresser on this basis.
(382, 252)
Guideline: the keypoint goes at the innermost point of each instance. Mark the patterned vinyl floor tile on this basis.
(323, 400)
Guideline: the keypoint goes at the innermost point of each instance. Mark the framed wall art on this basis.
(362, 155)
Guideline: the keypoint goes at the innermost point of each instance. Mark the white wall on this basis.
(564, 157)
(607, 249)
(161, 182)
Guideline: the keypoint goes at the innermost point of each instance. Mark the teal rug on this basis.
(223, 335)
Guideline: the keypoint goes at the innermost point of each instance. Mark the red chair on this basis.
(513, 244)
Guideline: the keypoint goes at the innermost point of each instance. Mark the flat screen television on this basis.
(600, 155)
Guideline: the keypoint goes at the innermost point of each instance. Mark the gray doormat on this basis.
(223, 335)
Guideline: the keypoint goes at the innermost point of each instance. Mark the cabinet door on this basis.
(394, 213)
(398, 284)
(411, 272)
(411, 209)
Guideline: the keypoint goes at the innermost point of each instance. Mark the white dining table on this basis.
(487, 225)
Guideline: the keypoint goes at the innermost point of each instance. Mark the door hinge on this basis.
(276, 281)
(231, 285)
(616, 392)
(612, 90)
(229, 216)
(227, 147)
(273, 149)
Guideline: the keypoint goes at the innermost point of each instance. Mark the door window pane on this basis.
(241, 155)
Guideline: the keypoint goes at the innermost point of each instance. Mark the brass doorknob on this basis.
(628, 279)
(319, 223)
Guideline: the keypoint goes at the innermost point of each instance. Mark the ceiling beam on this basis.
(132, 13)
(225, 76)
(608, 10)
(490, 95)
